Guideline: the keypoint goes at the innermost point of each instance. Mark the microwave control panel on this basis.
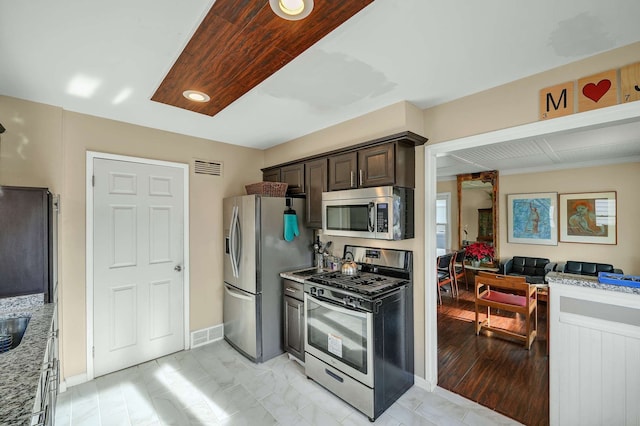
(382, 217)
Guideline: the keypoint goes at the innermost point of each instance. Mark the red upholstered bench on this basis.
(509, 293)
(510, 299)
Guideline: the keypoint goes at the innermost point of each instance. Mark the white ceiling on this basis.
(562, 150)
(107, 59)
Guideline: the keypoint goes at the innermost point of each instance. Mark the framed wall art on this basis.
(588, 217)
(532, 218)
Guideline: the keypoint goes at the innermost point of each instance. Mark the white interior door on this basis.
(138, 298)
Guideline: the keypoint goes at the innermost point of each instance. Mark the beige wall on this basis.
(392, 119)
(386, 121)
(622, 178)
(515, 103)
(31, 147)
(58, 142)
(54, 143)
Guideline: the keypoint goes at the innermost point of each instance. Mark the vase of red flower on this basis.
(479, 253)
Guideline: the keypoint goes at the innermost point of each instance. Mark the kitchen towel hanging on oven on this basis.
(290, 223)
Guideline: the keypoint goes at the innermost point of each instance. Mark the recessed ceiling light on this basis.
(292, 10)
(194, 95)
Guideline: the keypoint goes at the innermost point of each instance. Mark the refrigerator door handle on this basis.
(237, 242)
(236, 294)
(239, 234)
(232, 242)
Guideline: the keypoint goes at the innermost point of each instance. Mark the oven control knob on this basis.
(320, 292)
(312, 290)
(347, 301)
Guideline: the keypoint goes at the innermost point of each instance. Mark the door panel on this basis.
(159, 305)
(316, 184)
(123, 311)
(240, 319)
(342, 171)
(240, 242)
(293, 175)
(160, 234)
(138, 240)
(123, 236)
(248, 255)
(377, 165)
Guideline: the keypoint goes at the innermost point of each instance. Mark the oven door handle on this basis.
(338, 308)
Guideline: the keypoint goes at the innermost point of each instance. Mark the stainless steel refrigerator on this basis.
(255, 254)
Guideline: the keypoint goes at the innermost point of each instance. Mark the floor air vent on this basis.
(206, 335)
(212, 168)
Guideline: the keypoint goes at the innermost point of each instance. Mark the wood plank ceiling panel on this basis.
(241, 43)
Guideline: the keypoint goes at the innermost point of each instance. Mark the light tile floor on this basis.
(215, 385)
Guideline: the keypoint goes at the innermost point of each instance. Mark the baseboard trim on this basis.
(72, 381)
(422, 383)
(198, 338)
(208, 335)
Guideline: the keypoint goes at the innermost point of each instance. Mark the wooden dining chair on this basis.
(445, 274)
(459, 270)
(511, 294)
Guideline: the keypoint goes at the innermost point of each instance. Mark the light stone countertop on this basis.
(587, 281)
(20, 367)
(294, 276)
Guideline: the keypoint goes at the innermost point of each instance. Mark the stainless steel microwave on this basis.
(382, 213)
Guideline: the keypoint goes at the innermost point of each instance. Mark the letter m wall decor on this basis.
(557, 101)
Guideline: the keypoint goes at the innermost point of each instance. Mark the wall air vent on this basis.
(213, 168)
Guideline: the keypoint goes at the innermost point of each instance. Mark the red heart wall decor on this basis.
(596, 91)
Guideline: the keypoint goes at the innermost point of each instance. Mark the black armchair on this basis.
(588, 268)
(533, 269)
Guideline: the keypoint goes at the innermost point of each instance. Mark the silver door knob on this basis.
(178, 268)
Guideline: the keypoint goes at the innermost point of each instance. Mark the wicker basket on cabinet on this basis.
(267, 189)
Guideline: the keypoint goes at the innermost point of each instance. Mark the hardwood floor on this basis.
(493, 371)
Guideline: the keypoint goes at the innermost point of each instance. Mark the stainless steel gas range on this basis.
(359, 329)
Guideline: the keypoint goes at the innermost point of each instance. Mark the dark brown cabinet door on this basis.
(272, 175)
(376, 165)
(294, 327)
(316, 183)
(25, 241)
(343, 171)
(294, 176)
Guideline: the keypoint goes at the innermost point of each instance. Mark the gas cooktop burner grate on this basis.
(363, 283)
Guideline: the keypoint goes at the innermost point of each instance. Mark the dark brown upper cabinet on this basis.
(392, 163)
(294, 176)
(271, 175)
(343, 170)
(315, 184)
(376, 165)
(384, 161)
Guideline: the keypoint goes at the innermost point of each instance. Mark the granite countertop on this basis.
(299, 275)
(20, 367)
(587, 281)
